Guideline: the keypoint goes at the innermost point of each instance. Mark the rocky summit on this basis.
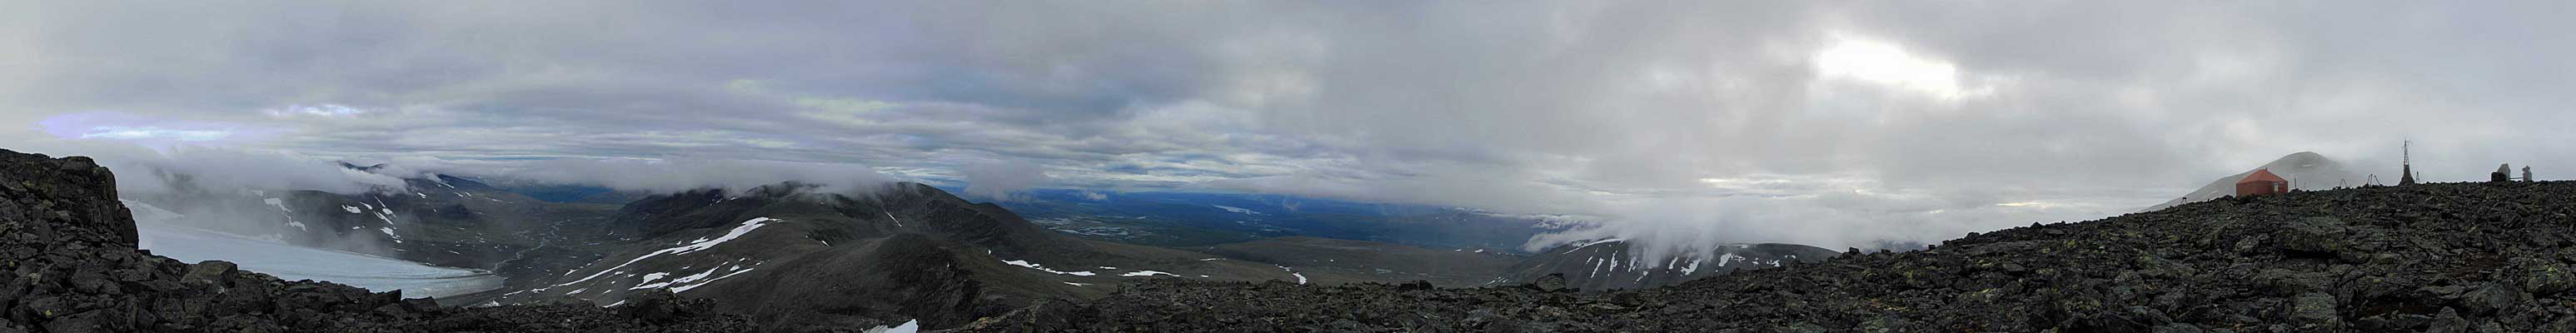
(2465, 257)
(68, 248)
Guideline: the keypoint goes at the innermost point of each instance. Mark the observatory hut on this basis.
(2262, 182)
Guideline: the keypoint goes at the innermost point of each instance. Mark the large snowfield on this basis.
(292, 262)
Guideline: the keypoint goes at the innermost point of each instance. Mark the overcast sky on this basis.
(1822, 122)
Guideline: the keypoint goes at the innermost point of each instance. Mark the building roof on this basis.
(2262, 175)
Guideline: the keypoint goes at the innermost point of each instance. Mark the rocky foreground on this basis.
(2468, 257)
(68, 248)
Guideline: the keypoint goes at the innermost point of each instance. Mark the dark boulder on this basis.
(1550, 283)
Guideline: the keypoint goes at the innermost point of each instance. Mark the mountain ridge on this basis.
(1611, 264)
(883, 255)
(2447, 257)
(70, 244)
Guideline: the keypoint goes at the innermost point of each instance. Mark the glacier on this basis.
(164, 237)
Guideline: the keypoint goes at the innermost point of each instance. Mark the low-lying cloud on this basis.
(184, 168)
(1694, 226)
(664, 176)
(1819, 122)
(1003, 180)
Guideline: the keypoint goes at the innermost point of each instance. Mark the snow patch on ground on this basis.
(685, 283)
(1596, 244)
(913, 326)
(1301, 277)
(382, 213)
(693, 246)
(1025, 263)
(350, 209)
(1149, 273)
(290, 213)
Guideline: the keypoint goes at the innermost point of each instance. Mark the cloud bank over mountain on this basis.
(1821, 122)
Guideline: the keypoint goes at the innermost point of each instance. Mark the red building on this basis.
(2260, 183)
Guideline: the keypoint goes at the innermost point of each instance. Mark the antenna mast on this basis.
(2406, 160)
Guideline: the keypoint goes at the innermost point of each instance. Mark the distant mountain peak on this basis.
(2305, 170)
(1612, 263)
(368, 168)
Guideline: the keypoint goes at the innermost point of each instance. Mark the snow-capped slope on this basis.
(1611, 264)
(436, 219)
(2305, 170)
(683, 249)
(791, 257)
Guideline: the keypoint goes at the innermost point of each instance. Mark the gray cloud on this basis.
(1003, 180)
(1831, 123)
(188, 169)
(735, 176)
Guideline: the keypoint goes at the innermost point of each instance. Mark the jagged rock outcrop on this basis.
(68, 247)
(2451, 257)
(54, 199)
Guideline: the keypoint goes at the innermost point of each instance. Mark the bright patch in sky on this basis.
(324, 110)
(134, 133)
(122, 126)
(1888, 65)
